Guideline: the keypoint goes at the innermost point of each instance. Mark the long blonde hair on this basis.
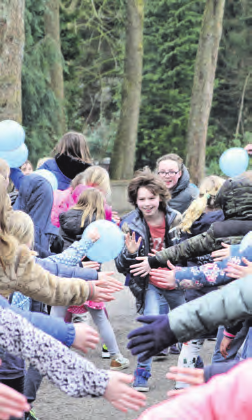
(20, 225)
(96, 177)
(91, 201)
(209, 188)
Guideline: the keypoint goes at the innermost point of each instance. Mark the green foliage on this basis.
(93, 47)
(171, 35)
(38, 101)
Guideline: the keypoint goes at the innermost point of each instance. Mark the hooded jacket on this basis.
(183, 193)
(235, 199)
(36, 199)
(70, 226)
(134, 222)
(65, 168)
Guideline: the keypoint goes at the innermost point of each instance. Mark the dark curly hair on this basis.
(152, 182)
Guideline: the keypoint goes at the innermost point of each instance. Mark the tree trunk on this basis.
(203, 85)
(12, 38)
(123, 158)
(52, 31)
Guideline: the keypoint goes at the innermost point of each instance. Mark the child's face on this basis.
(26, 169)
(147, 202)
(169, 172)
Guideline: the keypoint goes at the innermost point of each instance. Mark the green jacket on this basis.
(226, 306)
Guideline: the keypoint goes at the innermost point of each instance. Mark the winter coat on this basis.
(201, 225)
(72, 373)
(19, 272)
(13, 367)
(226, 396)
(70, 226)
(226, 306)
(183, 193)
(134, 222)
(237, 223)
(65, 168)
(36, 199)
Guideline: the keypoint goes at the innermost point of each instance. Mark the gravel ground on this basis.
(52, 404)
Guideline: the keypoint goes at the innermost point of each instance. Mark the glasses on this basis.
(168, 173)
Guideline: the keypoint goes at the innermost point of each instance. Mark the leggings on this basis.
(101, 321)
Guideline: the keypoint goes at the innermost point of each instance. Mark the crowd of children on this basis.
(181, 245)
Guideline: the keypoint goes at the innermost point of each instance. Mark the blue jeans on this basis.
(153, 299)
(235, 344)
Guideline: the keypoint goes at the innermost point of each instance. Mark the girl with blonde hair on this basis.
(90, 207)
(93, 177)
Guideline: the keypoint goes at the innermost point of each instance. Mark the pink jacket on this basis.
(64, 200)
(226, 396)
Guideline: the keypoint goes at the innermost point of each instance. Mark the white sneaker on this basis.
(105, 352)
(119, 362)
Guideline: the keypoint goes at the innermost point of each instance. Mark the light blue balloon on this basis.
(15, 158)
(12, 135)
(109, 245)
(234, 161)
(49, 176)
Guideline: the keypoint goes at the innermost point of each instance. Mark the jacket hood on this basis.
(69, 166)
(36, 199)
(183, 182)
(235, 198)
(70, 223)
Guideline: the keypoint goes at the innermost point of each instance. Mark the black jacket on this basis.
(70, 226)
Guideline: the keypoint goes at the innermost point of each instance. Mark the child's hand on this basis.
(221, 254)
(131, 244)
(225, 345)
(85, 337)
(190, 376)
(121, 395)
(115, 217)
(162, 278)
(12, 403)
(248, 148)
(106, 280)
(91, 264)
(93, 234)
(142, 268)
(237, 271)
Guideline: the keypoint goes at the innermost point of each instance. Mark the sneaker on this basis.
(161, 355)
(141, 380)
(174, 350)
(31, 415)
(105, 352)
(119, 362)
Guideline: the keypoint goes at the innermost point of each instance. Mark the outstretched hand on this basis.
(131, 244)
(120, 395)
(141, 269)
(12, 403)
(236, 271)
(85, 337)
(190, 376)
(153, 337)
(163, 278)
(222, 253)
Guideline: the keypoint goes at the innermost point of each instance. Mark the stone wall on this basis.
(120, 197)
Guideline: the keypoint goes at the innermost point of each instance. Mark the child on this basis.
(151, 226)
(90, 207)
(27, 168)
(93, 177)
(235, 199)
(70, 372)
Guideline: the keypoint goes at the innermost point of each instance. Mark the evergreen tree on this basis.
(171, 34)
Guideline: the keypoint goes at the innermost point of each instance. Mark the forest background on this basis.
(92, 53)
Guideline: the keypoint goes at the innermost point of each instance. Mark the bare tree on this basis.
(12, 39)
(203, 86)
(123, 158)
